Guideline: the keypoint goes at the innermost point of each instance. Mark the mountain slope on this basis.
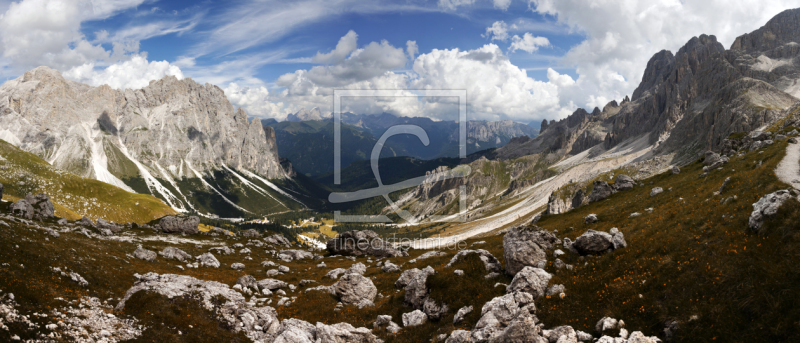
(23, 173)
(176, 139)
(687, 103)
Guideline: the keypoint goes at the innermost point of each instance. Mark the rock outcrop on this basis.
(355, 289)
(37, 207)
(767, 206)
(179, 224)
(523, 247)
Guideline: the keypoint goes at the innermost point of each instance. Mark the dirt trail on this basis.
(788, 170)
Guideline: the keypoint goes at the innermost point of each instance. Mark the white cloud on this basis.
(453, 4)
(497, 89)
(134, 73)
(41, 32)
(498, 31)
(346, 45)
(412, 49)
(528, 42)
(611, 60)
(363, 64)
(255, 101)
(501, 4)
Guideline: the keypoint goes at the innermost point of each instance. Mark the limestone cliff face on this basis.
(170, 130)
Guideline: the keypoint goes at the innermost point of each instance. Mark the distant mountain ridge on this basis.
(309, 143)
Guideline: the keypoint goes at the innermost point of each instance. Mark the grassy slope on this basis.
(73, 196)
(686, 259)
(743, 286)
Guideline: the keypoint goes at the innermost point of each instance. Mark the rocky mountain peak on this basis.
(781, 29)
(657, 70)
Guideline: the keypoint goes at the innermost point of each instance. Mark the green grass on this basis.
(74, 196)
(685, 259)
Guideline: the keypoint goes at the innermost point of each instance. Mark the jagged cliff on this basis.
(151, 140)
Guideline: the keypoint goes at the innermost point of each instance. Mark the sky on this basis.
(520, 60)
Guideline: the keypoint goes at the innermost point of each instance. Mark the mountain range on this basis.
(306, 138)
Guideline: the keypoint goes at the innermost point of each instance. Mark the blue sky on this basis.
(519, 60)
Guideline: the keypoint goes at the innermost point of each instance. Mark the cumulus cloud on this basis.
(255, 100)
(528, 42)
(611, 60)
(41, 32)
(498, 31)
(134, 73)
(497, 89)
(346, 45)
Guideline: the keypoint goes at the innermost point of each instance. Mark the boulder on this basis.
(617, 239)
(590, 219)
(353, 288)
(656, 191)
(102, 224)
(390, 267)
(531, 280)
(523, 247)
(606, 323)
(208, 260)
(711, 157)
(462, 312)
(555, 290)
(562, 334)
(414, 318)
(42, 206)
(179, 224)
(417, 290)
(623, 183)
(767, 206)
(505, 318)
(251, 233)
(237, 266)
(676, 170)
(144, 254)
(406, 277)
(357, 268)
(278, 239)
(21, 209)
(248, 281)
(600, 191)
(271, 284)
(174, 253)
(292, 255)
(334, 274)
(593, 242)
(358, 243)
